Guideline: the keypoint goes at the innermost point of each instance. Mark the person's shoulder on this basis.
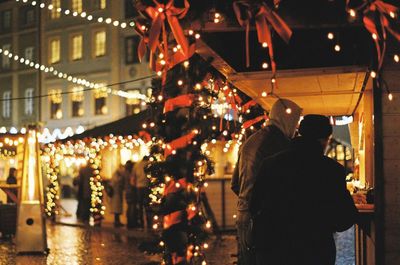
(332, 165)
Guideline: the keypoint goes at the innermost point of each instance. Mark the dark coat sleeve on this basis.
(235, 186)
(344, 212)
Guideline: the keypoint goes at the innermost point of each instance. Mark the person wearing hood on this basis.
(273, 138)
(300, 199)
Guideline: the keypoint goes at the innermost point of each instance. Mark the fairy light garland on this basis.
(53, 154)
(82, 15)
(73, 79)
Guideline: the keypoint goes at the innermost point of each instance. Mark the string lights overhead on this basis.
(83, 15)
(79, 81)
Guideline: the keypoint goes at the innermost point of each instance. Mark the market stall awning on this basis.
(126, 126)
(319, 80)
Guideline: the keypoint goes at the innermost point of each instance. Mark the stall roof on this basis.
(319, 80)
(126, 126)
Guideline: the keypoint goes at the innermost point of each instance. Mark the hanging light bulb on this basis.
(337, 48)
(396, 58)
(390, 96)
(373, 74)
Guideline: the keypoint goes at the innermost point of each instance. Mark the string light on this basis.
(373, 74)
(337, 48)
(83, 15)
(72, 79)
(330, 36)
(396, 58)
(352, 13)
(390, 96)
(265, 65)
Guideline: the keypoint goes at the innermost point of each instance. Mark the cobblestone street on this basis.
(108, 246)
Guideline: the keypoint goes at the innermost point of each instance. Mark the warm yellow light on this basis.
(390, 96)
(265, 65)
(373, 74)
(396, 58)
(337, 48)
(352, 13)
(330, 36)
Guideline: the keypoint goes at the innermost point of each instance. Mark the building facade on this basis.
(101, 53)
(18, 35)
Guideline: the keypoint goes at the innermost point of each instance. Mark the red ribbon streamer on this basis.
(145, 136)
(178, 102)
(178, 143)
(263, 16)
(248, 105)
(249, 123)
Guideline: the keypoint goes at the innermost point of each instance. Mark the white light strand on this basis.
(70, 78)
(83, 15)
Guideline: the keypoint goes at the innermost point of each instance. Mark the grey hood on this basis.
(284, 120)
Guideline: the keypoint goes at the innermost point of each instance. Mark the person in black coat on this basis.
(267, 141)
(300, 199)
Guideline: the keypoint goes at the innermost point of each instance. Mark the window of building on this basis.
(76, 47)
(101, 4)
(29, 16)
(29, 101)
(29, 53)
(131, 47)
(100, 101)
(77, 6)
(54, 13)
(55, 104)
(7, 104)
(77, 102)
(132, 105)
(100, 43)
(54, 56)
(6, 21)
(5, 60)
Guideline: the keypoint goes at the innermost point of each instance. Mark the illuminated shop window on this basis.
(54, 14)
(100, 43)
(132, 105)
(101, 4)
(55, 104)
(55, 51)
(77, 6)
(100, 101)
(76, 47)
(77, 102)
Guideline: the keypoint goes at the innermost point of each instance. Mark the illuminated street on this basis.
(75, 245)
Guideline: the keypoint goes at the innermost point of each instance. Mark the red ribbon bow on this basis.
(374, 12)
(159, 14)
(263, 16)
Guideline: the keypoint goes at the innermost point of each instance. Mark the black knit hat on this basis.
(315, 126)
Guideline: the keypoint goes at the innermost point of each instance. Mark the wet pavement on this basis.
(76, 245)
(106, 245)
